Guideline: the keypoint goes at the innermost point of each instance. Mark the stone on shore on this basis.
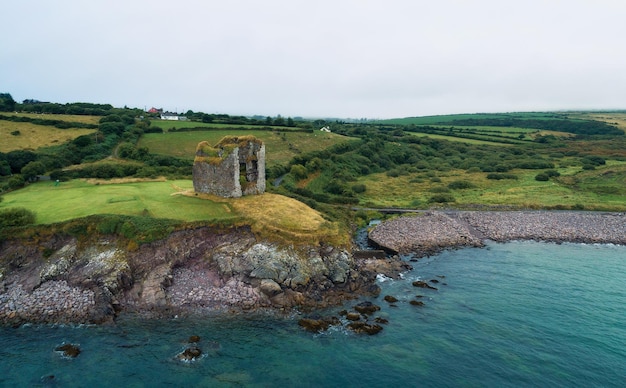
(433, 231)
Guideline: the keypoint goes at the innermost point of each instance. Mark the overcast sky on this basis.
(318, 58)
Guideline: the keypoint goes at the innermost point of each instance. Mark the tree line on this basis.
(578, 127)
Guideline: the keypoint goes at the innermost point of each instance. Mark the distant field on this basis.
(169, 124)
(442, 119)
(458, 139)
(280, 147)
(591, 189)
(70, 118)
(33, 136)
(618, 118)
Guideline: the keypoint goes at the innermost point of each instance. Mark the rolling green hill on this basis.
(573, 160)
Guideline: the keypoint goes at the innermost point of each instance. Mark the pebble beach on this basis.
(429, 232)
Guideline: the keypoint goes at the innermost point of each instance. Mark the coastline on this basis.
(217, 271)
(205, 270)
(430, 232)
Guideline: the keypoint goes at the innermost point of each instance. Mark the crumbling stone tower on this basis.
(233, 167)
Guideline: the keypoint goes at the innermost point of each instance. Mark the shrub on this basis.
(359, 188)
(109, 225)
(535, 164)
(298, 171)
(15, 182)
(542, 177)
(502, 167)
(32, 170)
(498, 176)
(334, 187)
(441, 198)
(552, 173)
(16, 217)
(460, 185)
(593, 160)
(439, 189)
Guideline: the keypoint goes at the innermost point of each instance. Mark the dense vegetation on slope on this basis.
(536, 160)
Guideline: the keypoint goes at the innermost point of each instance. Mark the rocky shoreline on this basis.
(207, 270)
(430, 232)
(198, 271)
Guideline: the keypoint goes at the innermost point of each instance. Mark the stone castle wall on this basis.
(232, 168)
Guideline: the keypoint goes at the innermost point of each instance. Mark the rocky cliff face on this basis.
(192, 271)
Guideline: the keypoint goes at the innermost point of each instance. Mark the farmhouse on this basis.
(233, 167)
(172, 116)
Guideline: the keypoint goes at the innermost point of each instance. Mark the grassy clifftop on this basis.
(271, 216)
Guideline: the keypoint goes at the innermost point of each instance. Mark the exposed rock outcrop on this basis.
(192, 271)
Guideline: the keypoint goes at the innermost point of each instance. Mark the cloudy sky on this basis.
(322, 58)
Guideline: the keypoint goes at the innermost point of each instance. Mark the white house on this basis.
(169, 116)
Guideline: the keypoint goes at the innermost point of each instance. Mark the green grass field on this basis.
(575, 187)
(458, 139)
(280, 147)
(85, 119)
(78, 198)
(33, 136)
(167, 125)
(441, 119)
(274, 217)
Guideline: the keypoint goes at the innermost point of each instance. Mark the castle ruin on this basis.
(233, 167)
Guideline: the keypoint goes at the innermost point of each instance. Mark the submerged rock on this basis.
(353, 316)
(390, 299)
(313, 325)
(365, 328)
(421, 284)
(190, 354)
(366, 307)
(68, 350)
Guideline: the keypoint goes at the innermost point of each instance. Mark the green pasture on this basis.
(29, 136)
(459, 139)
(574, 188)
(280, 147)
(174, 124)
(485, 129)
(77, 198)
(443, 119)
(85, 119)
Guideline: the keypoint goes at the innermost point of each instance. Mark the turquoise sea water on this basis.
(514, 314)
